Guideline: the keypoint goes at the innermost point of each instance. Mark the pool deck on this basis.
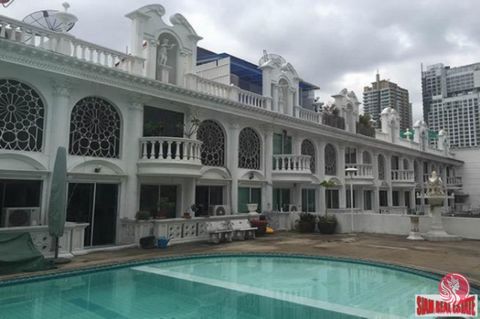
(439, 257)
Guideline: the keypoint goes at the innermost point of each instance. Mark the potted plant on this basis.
(327, 224)
(261, 223)
(143, 215)
(306, 224)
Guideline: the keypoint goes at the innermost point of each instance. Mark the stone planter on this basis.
(306, 227)
(327, 228)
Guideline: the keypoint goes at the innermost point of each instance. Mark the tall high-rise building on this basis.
(383, 94)
(451, 102)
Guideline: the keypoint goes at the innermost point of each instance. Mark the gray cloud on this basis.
(331, 43)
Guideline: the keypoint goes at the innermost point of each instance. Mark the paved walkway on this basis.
(440, 257)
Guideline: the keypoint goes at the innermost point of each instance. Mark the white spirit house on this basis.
(172, 124)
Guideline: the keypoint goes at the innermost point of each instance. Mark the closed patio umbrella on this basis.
(58, 197)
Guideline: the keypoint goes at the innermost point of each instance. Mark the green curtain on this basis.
(243, 199)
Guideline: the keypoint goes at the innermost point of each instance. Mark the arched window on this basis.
(21, 117)
(95, 129)
(381, 167)
(249, 149)
(213, 147)
(330, 160)
(309, 149)
(366, 157)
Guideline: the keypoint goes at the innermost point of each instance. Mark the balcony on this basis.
(308, 115)
(454, 181)
(363, 175)
(172, 156)
(291, 168)
(403, 176)
(63, 43)
(230, 92)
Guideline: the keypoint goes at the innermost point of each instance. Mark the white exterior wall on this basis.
(400, 224)
(218, 71)
(470, 172)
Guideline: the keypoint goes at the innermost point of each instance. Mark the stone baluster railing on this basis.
(231, 92)
(363, 170)
(69, 45)
(291, 163)
(252, 99)
(403, 175)
(454, 180)
(163, 148)
(308, 115)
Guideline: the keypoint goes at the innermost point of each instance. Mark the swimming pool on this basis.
(244, 286)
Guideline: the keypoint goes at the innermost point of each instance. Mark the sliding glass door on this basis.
(96, 204)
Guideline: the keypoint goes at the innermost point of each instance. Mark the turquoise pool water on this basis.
(222, 287)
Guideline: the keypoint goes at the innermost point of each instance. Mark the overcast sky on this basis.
(333, 44)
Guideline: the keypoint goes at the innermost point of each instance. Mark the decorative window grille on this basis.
(21, 117)
(95, 129)
(213, 147)
(330, 160)
(381, 167)
(249, 149)
(366, 157)
(309, 149)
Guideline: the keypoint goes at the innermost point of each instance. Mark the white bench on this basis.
(242, 229)
(219, 231)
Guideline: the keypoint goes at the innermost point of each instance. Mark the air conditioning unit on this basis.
(218, 210)
(293, 208)
(21, 216)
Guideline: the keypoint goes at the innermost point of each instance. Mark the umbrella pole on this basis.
(56, 247)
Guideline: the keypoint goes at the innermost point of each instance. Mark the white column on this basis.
(275, 99)
(422, 183)
(232, 164)
(320, 172)
(60, 111)
(296, 144)
(341, 175)
(376, 199)
(412, 198)
(290, 97)
(388, 178)
(188, 194)
(151, 59)
(267, 190)
(131, 150)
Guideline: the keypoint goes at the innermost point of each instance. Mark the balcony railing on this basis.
(160, 148)
(363, 170)
(454, 181)
(291, 163)
(403, 176)
(231, 92)
(69, 45)
(308, 115)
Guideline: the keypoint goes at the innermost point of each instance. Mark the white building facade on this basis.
(157, 131)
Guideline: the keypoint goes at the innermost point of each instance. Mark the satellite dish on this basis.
(46, 19)
(5, 3)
